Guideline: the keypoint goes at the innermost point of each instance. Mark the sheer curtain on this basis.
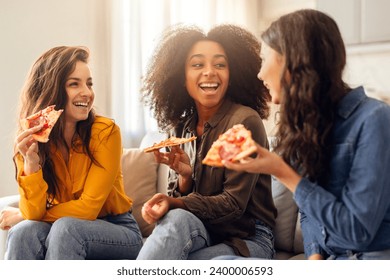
(136, 25)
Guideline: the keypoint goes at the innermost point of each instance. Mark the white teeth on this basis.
(208, 85)
(84, 104)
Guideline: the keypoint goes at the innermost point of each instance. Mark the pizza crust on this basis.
(212, 158)
(170, 142)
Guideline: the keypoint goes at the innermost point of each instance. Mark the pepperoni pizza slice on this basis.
(48, 117)
(233, 145)
(172, 141)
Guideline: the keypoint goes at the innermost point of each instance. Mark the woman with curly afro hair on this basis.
(201, 85)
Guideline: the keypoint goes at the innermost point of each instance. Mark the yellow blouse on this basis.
(86, 190)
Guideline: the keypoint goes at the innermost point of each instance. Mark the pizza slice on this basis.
(172, 141)
(233, 145)
(48, 117)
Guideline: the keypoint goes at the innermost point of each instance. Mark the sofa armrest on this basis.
(13, 201)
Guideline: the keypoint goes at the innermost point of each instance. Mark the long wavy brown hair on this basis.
(163, 85)
(45, 85)
(315, 57)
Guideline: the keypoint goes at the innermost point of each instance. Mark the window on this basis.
(137, 25)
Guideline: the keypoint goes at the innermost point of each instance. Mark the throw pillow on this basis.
(140, 182)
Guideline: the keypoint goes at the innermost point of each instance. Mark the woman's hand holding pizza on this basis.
(264, 162)
(176, 159)
(179, 161)
(27, 146)
(267, 162)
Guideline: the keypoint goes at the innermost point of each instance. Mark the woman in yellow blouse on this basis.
(72, 200)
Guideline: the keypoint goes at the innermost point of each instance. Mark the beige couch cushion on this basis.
(140, 179)
(287, 217)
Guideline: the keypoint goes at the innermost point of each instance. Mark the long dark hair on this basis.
(315, 57)
(45, 86)
(163, 85)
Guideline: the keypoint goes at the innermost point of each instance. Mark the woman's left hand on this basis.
(9, 217)
(155, 208)
(267, 162)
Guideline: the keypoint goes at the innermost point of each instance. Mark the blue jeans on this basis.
(181, 235)
(112, 237)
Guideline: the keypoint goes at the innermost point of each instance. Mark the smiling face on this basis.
(207, 75)
(271, 71)
(80, 93)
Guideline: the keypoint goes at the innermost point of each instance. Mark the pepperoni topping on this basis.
(40, 119)
(228, 151)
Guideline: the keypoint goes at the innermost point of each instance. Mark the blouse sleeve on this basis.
(352, 218)
(99, 182)
(310, 243)
(32, 190)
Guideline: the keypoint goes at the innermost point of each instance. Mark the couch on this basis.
(143, 177)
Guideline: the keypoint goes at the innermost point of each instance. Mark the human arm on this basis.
(27, 147)
(358, 181)
(351, 207)
(85, 186)
(96, 182)
(32, 187)
(156, 207)
(312, 248)
(177, 160)
(221, 195)
(267, 162)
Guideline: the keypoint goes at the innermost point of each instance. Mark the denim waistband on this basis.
(261, 223)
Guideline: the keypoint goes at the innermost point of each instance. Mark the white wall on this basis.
(367, 64)
(27, 29)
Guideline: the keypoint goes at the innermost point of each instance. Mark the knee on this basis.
(64, 224)
(178, 217)
(26, 240)
(28, 230)
(63, 227)
(26, 235)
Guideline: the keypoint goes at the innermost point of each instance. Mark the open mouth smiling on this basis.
(209, 86)
(81, 104)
